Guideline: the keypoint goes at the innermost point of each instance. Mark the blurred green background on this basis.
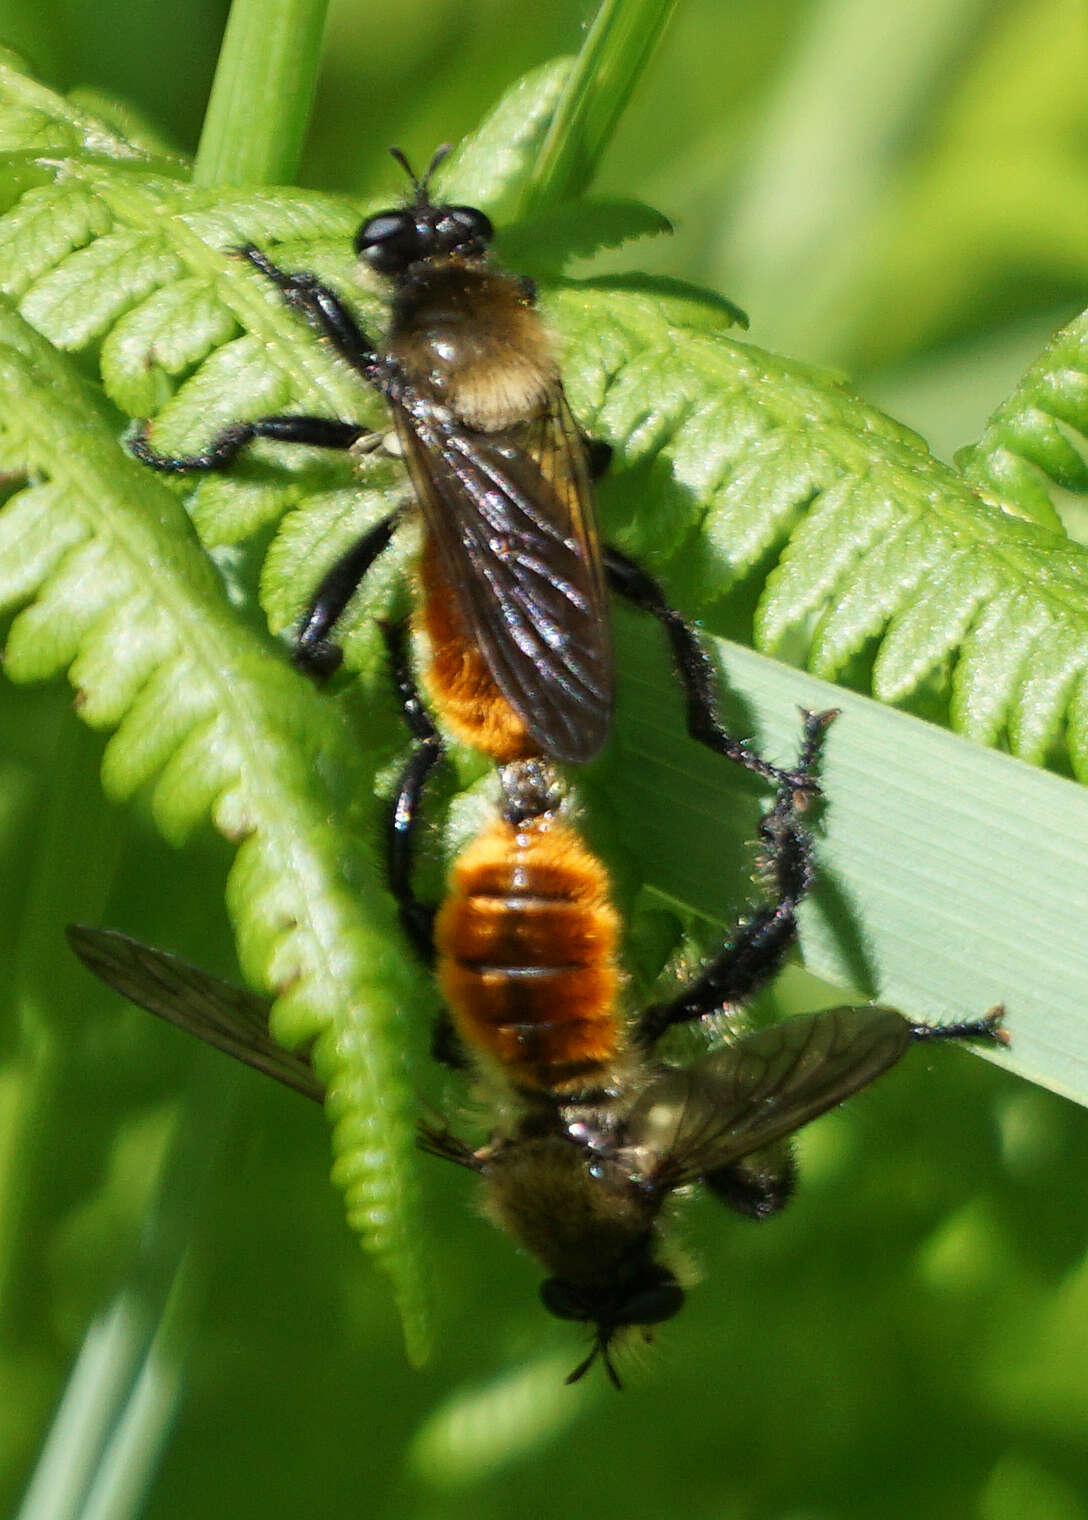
(898, 191)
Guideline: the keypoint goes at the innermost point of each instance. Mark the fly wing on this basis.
(216, 1012)
(697, 1119)
(512, 516)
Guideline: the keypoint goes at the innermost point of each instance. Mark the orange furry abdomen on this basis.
(526, 945)
(461, 688)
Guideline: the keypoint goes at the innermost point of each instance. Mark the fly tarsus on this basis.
(989, 1028)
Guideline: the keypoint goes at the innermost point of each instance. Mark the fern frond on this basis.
(491, 165)
(878, 561)
(881, 558)
(37, 120)
(1038, 435)
(114, 589)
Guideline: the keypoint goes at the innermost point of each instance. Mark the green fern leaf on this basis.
(880, 549)
(48, 223)
(167, 334)
(490, 167)
(1035, 439)
(36, 119)
(577, 230)
(113, 587)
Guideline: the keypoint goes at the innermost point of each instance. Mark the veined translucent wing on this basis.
(512, 516)
(231, 1019)
(744, 1097)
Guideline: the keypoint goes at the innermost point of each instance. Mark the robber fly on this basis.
(513, 578)
(513, 598)
(592, 1129)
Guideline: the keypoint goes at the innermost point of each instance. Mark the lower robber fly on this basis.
(593, 1130)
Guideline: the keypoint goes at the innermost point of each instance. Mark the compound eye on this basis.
(560, 1299)
(465, 226)
(389, 241)
(652, 1305)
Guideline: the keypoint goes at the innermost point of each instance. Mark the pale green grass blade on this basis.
(952, 877)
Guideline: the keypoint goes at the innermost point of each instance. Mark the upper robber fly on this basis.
(513, 593)
(513, 576)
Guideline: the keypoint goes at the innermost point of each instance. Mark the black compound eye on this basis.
(388, 241)
(651, 1305)
(560, 1299)
(464, 227)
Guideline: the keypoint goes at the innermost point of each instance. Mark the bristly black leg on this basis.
(323, 309)
(331, 319)
(988, 1027)
(416, 917)
(695, 671)
(315, 652)
(328, 315)
(757, 945)
(317, 432)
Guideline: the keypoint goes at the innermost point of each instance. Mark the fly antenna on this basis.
(613, 1375)
(401, 158)
(599, 1348)
(422, 186)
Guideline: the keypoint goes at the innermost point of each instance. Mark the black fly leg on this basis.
(417, 919)
(325, 312)
(331, 319)
(695, 671)
(755, 949)
(988, 1027)
(328, 313)
(323, 309)
(318, 432)
(315, 653)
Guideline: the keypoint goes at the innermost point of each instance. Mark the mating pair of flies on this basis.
(593, 1131)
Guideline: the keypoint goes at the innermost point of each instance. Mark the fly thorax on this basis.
(471, 340)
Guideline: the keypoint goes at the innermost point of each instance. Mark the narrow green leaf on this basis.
(950, 877)
(616, 50)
